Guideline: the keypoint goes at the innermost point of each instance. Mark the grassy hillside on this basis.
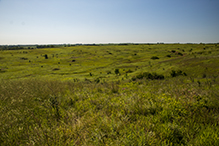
(163, 94)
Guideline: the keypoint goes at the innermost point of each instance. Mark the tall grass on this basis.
(173, 111)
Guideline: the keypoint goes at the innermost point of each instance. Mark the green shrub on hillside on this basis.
(147, 75)
(154, 57)
(177, 73)
(129, 71)
(46, 56)
(117, 71)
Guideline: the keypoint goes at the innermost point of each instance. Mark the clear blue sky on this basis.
(108, 21)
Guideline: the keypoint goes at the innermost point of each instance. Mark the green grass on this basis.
(67, 106)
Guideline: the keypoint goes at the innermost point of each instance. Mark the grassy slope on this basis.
(43, 106)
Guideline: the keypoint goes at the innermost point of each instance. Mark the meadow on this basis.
(115, 94)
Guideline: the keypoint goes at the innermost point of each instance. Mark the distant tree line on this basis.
(11, 47)
(21, 47)
(45, 46)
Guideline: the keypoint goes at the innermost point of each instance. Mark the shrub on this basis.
(154, 57)
(134, 78)
(180, 54)
(168, 56)
(56, 69)
(87, 80)
(108, 72)
(177, 73)
(46, 56)
(117, 71)
(129, 71)
(97, 80)
(173, 73)
(23, 58)
(147, 75)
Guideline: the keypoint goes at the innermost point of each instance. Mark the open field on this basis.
(145, 94)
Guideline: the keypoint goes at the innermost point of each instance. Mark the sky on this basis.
(108, 21)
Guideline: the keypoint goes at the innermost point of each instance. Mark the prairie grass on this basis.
(61, 107)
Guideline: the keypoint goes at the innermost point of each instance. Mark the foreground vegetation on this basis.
(110, 95)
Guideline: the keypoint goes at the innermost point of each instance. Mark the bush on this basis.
(56, 69)
(129, 71)
(117, 71)
(177, 73)
(23, 58)
(87, 80)
(147, 75)
(180, 54)
(97, 80)
(154, 57)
